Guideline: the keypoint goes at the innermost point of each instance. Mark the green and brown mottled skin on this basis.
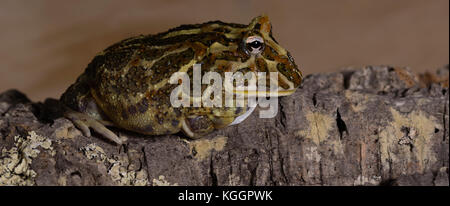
(127, 86)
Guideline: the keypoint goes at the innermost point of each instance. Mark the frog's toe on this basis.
(80, 124)
(84, 122)
(105, 132)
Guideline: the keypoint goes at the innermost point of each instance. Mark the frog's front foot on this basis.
(84, 122)
(197, 126)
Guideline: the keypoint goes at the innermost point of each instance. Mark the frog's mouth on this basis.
(273, 90)
(264, 93)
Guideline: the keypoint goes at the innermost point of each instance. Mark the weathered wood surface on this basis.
(371, 126)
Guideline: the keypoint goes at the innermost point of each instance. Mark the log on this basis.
(377, 125)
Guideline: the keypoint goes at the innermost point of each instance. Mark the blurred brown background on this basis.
(45, 45)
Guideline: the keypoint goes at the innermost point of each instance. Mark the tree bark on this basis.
(377, 125)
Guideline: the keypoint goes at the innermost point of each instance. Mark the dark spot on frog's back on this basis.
(124, 114)
(175, 123)
(160, 119)
(177, 112)
(143, 105)
(132, 110)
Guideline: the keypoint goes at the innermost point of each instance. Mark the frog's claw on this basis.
(84, 122)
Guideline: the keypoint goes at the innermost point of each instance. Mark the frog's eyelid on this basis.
(254, 38)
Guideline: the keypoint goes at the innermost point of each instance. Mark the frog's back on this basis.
(160, 55)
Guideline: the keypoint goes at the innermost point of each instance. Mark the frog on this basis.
(126, 85)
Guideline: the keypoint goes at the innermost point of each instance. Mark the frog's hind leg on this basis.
(91, 116)
(84, 122)
(83, 111)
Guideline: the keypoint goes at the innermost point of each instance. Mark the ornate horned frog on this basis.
(129, 86)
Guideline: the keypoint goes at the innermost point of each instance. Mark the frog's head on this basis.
(270, 56)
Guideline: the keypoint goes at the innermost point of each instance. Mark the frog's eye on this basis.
(254, 44)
